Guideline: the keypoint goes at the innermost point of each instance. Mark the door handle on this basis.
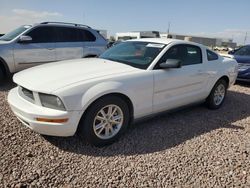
(50, 48)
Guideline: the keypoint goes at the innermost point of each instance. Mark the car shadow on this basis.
(166, 131)
(244, 84)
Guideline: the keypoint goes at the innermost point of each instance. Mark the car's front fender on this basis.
(138, 88)
(105, 88)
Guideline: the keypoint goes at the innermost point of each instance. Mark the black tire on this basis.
(210, 101)
(86, 128)
(2, 76)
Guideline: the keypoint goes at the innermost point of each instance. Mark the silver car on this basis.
(31, 45)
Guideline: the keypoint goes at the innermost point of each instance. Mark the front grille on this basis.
(27, 94)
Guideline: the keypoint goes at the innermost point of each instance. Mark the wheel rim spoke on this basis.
(103, 113)
(110, 110)
(100, 118)
(116, 119)
(100, 125)
(114, 111)
(101, 129)
(106, 131)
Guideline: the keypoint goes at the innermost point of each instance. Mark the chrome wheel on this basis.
(108, 121)
(219, 94)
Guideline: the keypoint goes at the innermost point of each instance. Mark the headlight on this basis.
(51, 101)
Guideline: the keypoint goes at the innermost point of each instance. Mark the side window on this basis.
(42, 35)
(188, 54)
(65, 34)
(211, 56)
(86, 35)
(193, 55)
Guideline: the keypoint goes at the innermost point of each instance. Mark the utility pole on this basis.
(245, 38)
(168, 27)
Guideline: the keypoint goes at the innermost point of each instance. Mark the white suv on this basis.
(31, 45)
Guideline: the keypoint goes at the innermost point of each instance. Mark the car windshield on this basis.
(13, 34)
(243, 51)
(134, 53)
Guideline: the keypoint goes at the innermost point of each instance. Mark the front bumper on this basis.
(27, 113)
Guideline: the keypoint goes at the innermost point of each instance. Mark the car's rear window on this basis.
(211, 56)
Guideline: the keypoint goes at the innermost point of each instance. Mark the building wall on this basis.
(127, 35)
(210, 42)
(205, 41)
(137, 34)
(229, 44)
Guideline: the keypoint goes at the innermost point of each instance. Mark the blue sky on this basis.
(220, 18)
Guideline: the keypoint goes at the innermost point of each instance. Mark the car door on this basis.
(69, 44)
(242, 56)
(41, 49)
(175, 87)
(93, 45)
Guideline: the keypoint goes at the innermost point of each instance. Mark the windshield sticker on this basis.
(151, 45)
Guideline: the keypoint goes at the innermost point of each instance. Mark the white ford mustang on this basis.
(98, 97)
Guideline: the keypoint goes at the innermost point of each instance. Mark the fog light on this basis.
(52, 120)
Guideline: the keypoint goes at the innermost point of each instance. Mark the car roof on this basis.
(62, 24)
(164, 41)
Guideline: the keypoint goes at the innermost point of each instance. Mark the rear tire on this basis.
(217, 96)
(105, 121)
(2, 76)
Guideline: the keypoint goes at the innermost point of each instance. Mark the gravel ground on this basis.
(195, 147)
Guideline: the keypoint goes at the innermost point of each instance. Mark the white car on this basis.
(99, 97)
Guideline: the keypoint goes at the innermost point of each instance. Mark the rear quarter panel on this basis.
(219, 68)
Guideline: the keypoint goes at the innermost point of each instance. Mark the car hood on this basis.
(50, 77)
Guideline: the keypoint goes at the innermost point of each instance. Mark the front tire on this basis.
(105, 121)
(217, 95)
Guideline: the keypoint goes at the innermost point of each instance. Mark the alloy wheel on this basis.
(108, 121)
(219, 94)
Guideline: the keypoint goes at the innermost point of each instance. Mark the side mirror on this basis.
(231, 52)
(171, 63)
(24, 39)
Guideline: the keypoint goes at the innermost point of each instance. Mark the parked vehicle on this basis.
(31, 45)
(113, 43)
(99, 97)
(137, 35)
(242, 56)
(221, 48)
